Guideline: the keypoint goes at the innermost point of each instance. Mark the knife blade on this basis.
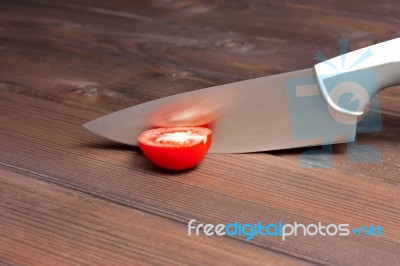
(288, 110)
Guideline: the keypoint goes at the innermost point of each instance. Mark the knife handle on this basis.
(360, 75)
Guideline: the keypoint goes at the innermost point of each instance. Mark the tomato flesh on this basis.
(176, 148)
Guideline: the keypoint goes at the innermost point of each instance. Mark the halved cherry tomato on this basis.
(176, 148)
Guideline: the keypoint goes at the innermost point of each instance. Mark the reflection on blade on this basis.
(269, 113)
(191, 112)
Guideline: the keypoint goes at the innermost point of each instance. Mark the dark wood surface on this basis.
(69, 197)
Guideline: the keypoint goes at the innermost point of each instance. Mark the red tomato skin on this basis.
(176, 158)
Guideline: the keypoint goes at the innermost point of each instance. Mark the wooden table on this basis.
(69, 197)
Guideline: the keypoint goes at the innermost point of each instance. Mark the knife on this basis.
(309, 107)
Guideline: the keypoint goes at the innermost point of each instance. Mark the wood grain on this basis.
(224, 188)
(42, 223)
(70, 197)
(153, 49)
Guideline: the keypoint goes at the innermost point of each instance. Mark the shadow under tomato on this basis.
(144, 164)
(137, 159)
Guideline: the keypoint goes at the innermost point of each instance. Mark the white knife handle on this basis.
(362, 73)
